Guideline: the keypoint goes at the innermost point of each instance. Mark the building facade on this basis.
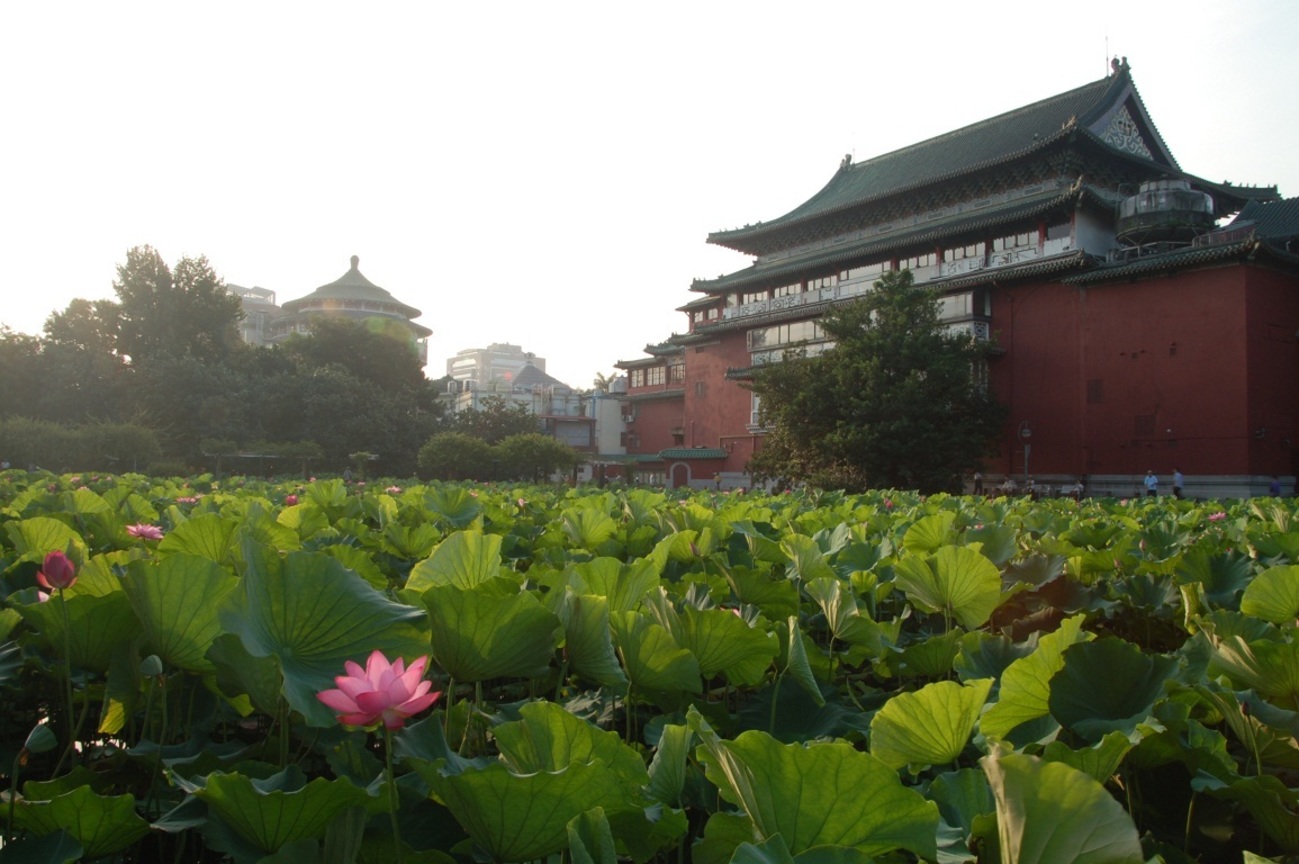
(1136, 325)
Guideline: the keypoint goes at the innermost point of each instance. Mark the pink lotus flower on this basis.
(290, 500)
(57, 571)
(381, 691)
(393, 490)
(145, 532)
(187, 499)
(888, 503)
(1217, 517)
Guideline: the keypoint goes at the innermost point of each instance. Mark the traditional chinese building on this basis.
(1136, 324)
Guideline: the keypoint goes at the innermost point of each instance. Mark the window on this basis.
(915, 262)
(698, 316)
(784, 334)
(677, 372)
(823, 282)
(752, 297)
(960, 253)
(955, 305)
(1014, 241)
(655, 375)
(1058, 232)
(787, 290)
(699, 388)
(869, 271)
(636, 378)
(713, 313)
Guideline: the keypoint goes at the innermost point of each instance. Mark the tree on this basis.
(182, 313)
(533, 456)
(496, 420)
(456, 456)
(898, 402)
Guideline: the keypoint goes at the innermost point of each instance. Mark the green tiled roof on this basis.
(1167, 261)
(352, 286)
(693, 453)
(1273, 220)
(987, 143)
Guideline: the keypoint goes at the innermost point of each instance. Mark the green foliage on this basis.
(495, 420)
(166, 313)
(896, 403)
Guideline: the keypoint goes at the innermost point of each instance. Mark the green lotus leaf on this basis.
(930, 658)
(1269, 668)
(724, 833)
(796, 662)
(777, 598)
(102, 824)
(409, 541)
(99, 626)
(279, 810)
(955, 581)
(652, 659)
(1107, 685)
(1223, 575)
(667, 770)
(775, 851)
(930, 534)
(208, 535)
(56, 848)
(464, 559)
(587, 527)
(359, 562)
(623, 585)
(452, 505)
(962, 797)
(33, 538)
(548, 738)
(999, 543)
(1026, 684)
(589, 839)
(988, 655)
(519, 818)
(1268, 800)
(839, 606)
(1099, 761)
(239, 672)
(176, 601)
(820, 794)
(484, 633)
(806, 560)
(312, 614)
(1273, 595)
(307, 522)
(1048, 812)
(723, 642)
(1269, 734)
(588, 639)
(930, 726)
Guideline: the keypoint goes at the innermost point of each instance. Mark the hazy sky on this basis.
(545, 173)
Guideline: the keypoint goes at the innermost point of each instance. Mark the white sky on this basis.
(545, 173)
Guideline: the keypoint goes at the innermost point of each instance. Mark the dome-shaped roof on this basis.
(351, 286)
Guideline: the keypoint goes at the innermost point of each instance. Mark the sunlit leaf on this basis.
(176, 601)
(1273, 595)
(101, 824)
(1026, 684)
(956, 582)
(483, 633)
(1107, 685)
(464, 559)
(930, 726)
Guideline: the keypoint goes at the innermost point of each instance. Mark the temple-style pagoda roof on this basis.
(1272, 220)
(351, 286)
(530, 376)
(1107, 113)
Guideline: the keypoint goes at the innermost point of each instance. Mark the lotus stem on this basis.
(393, 798)
(67, 677)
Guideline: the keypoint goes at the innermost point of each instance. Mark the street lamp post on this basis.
(1025, 433)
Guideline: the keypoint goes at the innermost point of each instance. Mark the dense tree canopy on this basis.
(897, 402)
(496, 420)
(168, 313)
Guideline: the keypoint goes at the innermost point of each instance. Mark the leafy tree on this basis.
(82, 374)
(377, 354)
(533, 456)
(182, 313)
(895, 403)
(20, 379)
(496, 420)
(457, 456)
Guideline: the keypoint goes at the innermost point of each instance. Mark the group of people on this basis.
(1151, 483)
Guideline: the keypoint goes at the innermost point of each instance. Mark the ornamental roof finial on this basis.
(355, 261)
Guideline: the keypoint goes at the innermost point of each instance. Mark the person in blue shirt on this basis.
(1152, 484)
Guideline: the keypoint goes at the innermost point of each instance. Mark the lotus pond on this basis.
(636, 675)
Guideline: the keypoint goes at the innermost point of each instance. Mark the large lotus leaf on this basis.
(652, 659)
(988, 655)
(762, 545)
(930, 658)
(820, 794)
(958, 582)
(796, 664)
(1025, 687)
(280, 809)
(238, 672)
(1270, 668)
(1107, 685)
(806, 560)
(524, 817)
(667, 771)
(359, 562)
(930, 726)
(1273, 595)
(930, 533)
(623, 585)
(1273, 804)
(1048, 812)
(209, 535)
(33, 538)
(465, 559)
(304, 520)
(1100, 761)
(587, 528)
(839, 606)
(589, 839)
(724, 833)
(1269, 733)
(102, 824)
(99, 626)
(962, 797)
(999, 543)
(453, 505)
(723, 642)
(777, 598)
(313, 614)
(481, 633)
(549, 738)
(1223, 575)
(409, 541)
(774, 850)
(588, 639)
(176, 601)
(56, 848)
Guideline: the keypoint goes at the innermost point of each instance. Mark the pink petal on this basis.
(358, 719)
(338, 700)
(353, 687)
(373, 702)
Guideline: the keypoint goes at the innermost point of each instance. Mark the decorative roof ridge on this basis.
(1176, 259)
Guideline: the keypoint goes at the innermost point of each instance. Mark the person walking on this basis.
(1152, 484)
(1178, 482)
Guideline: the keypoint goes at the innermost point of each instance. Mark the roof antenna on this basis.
(1107, 49)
